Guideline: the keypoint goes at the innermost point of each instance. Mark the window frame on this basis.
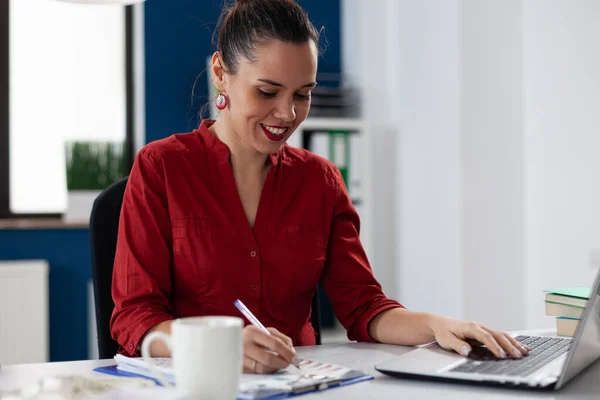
(130, 116)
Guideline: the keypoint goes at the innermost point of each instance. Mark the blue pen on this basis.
(254, 321)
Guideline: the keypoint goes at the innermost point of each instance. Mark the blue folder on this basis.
(263, 395)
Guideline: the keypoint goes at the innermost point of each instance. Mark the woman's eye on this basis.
(303, 96)
(268, 95)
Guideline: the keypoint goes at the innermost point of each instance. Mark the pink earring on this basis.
(221, 101)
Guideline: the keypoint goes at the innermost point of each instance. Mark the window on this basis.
(67, 68)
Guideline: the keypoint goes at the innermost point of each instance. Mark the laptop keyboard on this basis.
(543, 350)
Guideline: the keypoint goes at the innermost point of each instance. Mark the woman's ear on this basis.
(217, 72)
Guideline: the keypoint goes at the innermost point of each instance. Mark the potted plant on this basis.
(92, 166)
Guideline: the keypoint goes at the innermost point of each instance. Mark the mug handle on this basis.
(157, 374)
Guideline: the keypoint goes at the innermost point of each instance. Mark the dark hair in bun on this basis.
(250, 22)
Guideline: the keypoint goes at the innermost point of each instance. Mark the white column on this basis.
(392, 51)
(139, 65)
(364, 62)
(493, 162)
(428, 156)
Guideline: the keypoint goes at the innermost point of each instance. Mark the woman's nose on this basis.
(285, 111)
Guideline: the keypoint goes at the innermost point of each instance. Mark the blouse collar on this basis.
(221, 149)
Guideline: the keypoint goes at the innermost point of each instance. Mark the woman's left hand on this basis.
(452, 334)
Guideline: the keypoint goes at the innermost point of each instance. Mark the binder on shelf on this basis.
(356, 169)
(344, 149)
(319, 144)
(339, 151)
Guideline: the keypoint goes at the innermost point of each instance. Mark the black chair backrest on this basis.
(104, 226)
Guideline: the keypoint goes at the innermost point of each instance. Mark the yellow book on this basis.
(563, 310)
(566, 326)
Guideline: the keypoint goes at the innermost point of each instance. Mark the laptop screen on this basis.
(586, 345)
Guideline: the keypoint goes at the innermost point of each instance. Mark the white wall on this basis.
(562, 102)
(492, 155)
(428, 157)
(380, 39)
(377, 104)
(495, 106)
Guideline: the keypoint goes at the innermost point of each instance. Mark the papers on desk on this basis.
(253, 387)
(127, 393)
(291, 382)
(76, 387)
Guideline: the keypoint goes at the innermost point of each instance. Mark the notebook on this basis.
(574, 296)
(282, 384)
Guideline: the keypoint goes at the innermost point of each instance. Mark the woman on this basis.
(229, 211)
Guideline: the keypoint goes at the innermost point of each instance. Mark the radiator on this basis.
(23, 312)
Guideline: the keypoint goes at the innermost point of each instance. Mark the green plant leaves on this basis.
(94, 165)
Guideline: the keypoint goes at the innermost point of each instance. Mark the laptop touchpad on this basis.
(424, 359)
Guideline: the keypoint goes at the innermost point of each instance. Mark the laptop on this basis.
(550, 365)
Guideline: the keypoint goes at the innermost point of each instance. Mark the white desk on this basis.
(356, 355)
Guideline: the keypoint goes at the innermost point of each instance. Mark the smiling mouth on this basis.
(275, 133)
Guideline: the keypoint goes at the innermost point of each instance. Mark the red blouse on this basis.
(185, 247)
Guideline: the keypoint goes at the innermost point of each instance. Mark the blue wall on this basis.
(178, 40)
(68, 253)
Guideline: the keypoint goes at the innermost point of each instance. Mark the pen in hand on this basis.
(254, 321)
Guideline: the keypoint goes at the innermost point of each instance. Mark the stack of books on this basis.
(333, 97)
(567, 305)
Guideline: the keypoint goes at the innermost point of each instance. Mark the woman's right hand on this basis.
(264, 354)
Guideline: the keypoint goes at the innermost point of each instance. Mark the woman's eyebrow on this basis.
(270, 82)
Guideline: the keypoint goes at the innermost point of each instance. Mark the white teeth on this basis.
(275, 131)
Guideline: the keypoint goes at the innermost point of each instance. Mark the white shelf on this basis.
(360, 154)
(332, 123)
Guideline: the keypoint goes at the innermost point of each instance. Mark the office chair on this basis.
(104, 226)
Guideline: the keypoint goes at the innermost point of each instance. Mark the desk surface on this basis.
(355, 355)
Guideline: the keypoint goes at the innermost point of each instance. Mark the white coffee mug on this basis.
(207, 355)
